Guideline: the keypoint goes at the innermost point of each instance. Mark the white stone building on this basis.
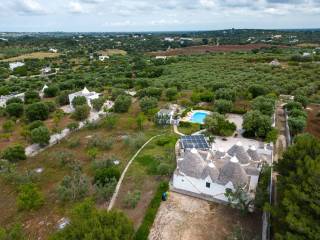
(208, 173)
(103, 58)
(165, 116)
(84, 93)
(14, 65)
(4, 99)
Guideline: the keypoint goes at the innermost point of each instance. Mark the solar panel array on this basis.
(194, 141)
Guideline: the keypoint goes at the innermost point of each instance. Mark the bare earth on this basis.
(187, 218)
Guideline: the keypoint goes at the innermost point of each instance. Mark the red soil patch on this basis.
(210, 48)
(313, 125)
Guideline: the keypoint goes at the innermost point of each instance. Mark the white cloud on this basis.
(208, 3)
(29, 7)
(76, 7)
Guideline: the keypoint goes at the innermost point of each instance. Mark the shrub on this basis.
(63, 98)
(51, 106)
(8, 126)
(14, 100)
(40, 135)
(29, 197)
(143, 231)
(302, 99)
(148, 103)
(51, 91)
(216, 124)
(73, 187)
(73, 126)
(14, 153)
(15, 232)
(256, 124)
(132, 198)
(223, 106)
(73, 143)
(31, 97)
(171, 93)
(164, 169)
(81, 113)
(257, 90)
(105, 175)
(293, 105)
(15, 110)
(79, 101)
(109, 121)
(226, 93)
(92, 153)
(89, 223)
(102, 192)
(135, 142)
(265, 105)
(163, 140)
(37, 111)
(103, 144)
(97, 103)
(122, 104)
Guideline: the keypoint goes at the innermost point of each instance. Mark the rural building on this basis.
(14, 65)
(4, 99)
(275, 63)
(208, 172)
(53, 50)
(161, 57)
(102, 58)
(169, 39)
(46, 70)
(84, 93)
(306, 54)
(165, 116)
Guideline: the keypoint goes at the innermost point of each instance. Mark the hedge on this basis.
(144, 229)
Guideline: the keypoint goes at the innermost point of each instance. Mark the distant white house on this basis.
(46, 70)
(84, 93)
(102, 58)
(14, 65)
(306, 54)
(208, 172)
(53, 50)
(161, 57)
(186, 39)
(169, 39)
(4, 99)
(131, 93)
(275, 63)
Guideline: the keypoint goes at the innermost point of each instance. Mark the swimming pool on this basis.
(198, 117)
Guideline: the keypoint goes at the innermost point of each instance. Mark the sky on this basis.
(156, 15)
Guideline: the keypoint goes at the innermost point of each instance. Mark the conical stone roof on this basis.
(239, 152)
(233, 172)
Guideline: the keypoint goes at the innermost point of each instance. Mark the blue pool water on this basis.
(199, 117)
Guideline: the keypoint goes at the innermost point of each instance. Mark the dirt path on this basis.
(186, 218)
(176, 130)
(115, 194)
(280, 145)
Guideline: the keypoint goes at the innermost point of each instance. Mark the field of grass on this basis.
(110, 52)
(41, 223)
(34, 55)
(144, 175)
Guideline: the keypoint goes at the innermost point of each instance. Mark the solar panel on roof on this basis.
(194, 141)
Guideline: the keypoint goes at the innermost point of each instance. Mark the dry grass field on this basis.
(34, 55)
(110, 52)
